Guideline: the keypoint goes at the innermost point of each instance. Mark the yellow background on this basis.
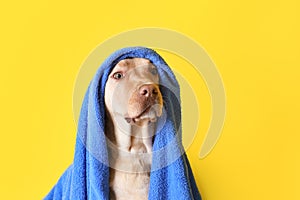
(254, 44)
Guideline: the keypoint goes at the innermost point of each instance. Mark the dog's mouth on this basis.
(149, 114)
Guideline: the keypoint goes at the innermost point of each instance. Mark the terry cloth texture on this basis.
(88, 177)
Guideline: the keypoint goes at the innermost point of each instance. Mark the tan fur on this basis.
(132, 103)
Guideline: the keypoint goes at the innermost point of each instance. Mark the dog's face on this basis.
(132, 92)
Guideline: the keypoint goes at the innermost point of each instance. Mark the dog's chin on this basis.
(150, 114)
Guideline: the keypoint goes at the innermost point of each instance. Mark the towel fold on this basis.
(88, 177)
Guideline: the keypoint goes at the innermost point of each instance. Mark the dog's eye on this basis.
(153, 71)
(118, 75)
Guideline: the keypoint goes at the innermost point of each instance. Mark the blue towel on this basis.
(88, 177)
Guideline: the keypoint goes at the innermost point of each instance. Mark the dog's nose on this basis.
(148, 90)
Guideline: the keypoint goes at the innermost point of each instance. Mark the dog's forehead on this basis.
(132, 62)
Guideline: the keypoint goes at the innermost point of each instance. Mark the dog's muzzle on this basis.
(145, 103)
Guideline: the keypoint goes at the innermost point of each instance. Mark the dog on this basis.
(133, 102)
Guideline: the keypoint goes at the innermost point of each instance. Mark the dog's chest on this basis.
(126, 186)
(130, 178)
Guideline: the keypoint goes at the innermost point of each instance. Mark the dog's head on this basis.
(132, 91)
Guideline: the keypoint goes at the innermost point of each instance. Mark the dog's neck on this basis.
(130, 137)
(130, 146)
